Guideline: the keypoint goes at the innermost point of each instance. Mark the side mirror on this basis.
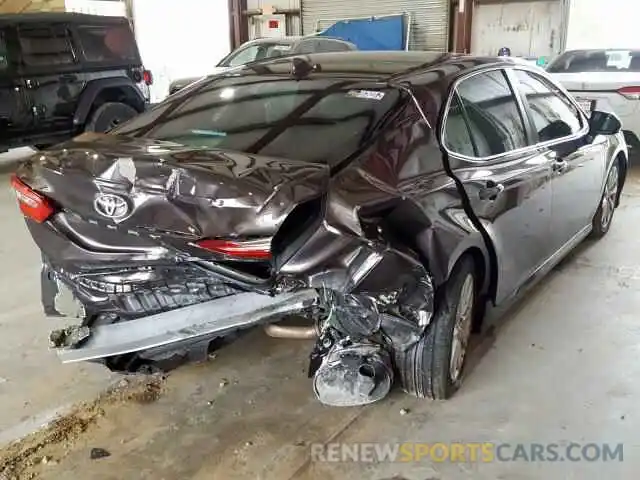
(604, 123)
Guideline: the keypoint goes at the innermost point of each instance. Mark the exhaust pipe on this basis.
(292, 332)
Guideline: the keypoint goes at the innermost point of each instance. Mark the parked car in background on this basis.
(265, 48)
(65, 73)
(385, 198)
(604, 79)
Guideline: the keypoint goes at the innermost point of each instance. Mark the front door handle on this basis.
(560, 166)
(491, 191)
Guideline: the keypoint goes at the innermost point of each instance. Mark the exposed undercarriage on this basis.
(176, 313)
(177, 273)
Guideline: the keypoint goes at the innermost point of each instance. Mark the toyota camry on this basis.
(376, 203)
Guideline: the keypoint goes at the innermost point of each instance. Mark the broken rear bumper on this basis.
(213, 318)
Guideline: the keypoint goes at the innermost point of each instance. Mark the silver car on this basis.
(262, 48)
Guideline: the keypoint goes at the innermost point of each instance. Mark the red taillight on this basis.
(632, 93)
(250, 249)
(147, 77)
(32, 204)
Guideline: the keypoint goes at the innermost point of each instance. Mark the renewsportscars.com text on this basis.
(485, 452)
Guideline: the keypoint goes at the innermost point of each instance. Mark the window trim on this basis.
(529, 148)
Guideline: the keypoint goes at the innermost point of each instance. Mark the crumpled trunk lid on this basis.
(173, 189)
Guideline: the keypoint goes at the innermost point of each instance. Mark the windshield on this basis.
(254, 53)
(314, 120)
(596, 61)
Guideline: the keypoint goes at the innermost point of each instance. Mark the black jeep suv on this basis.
(65, 73)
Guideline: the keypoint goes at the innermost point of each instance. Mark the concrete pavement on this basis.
(563, 368)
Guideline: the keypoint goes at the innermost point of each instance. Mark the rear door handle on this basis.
(491, 191)
(560, 166)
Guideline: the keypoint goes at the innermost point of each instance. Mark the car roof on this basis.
(59, 17)
(291, 39)
(282, 40)
(383, 66)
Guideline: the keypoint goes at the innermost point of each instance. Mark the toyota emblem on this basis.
(111, 206)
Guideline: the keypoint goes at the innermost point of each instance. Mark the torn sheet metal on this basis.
(204, 319)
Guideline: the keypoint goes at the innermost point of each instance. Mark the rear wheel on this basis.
(108, 116)
(604, 215)
(433, 367)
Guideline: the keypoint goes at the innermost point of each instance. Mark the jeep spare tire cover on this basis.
(108, 116)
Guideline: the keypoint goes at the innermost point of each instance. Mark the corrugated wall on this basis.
(17, 6)
(429, 18)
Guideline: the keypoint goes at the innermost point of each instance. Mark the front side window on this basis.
(107, 43)
(313, 120)
(553, 115)
(45, 46)
(491, 115)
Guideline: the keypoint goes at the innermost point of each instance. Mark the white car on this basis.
(606, 80)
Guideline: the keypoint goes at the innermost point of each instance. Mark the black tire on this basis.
(108, 116)
(425, 369)
(608, 202)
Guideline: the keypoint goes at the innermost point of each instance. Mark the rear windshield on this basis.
(596, 61)
(314, 120)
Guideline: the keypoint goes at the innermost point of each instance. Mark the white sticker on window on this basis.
(368, 94)
(619, 59)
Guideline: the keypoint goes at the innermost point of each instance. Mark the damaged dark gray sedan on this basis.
(375, 202)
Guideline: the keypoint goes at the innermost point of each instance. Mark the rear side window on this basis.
(331, 46)
(553, 115)
(457, 137)
(491, 115)
(4, 54)
(107, 43)
(307, 46)
(46, 46)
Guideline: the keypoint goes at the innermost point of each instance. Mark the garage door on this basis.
(429, 18)
(529, 29)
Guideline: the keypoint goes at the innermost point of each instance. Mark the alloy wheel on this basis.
(609, 198)
(462, 328)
